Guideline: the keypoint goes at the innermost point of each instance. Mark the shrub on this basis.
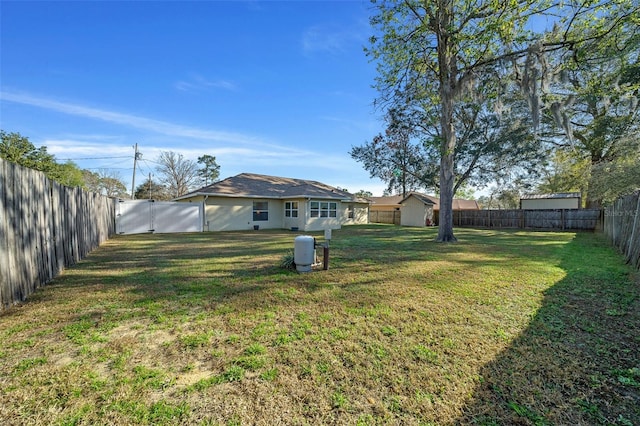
(287, 261)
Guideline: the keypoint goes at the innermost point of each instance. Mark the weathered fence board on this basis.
(45, 227)
(622, 226)
(383, 216)
(581, 219)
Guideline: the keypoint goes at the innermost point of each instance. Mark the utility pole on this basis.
(149, 185)
(135, 162)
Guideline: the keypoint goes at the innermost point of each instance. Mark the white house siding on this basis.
(294, 222)
(415, 213)
(360, 213)
(321, 223)
(236, 214)
(550, 203)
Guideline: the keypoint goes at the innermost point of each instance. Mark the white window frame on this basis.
(291, 209)
(257, 210)
(323, 209)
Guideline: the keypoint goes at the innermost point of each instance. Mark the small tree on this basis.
(68, 174)
(18, 149)
(177, 173)
(209, 172)
(395, 158)
(105, 183)
(363, 194)
(501, 198)
(150, 190)
(611, 179)
(568, 171)
(113, 187)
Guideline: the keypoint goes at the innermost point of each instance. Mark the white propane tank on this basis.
(303, 252)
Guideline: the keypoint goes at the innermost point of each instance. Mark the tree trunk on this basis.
(447, 81)
(592, 202)
(445, 230)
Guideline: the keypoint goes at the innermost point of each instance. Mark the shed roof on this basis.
(386, 201)
(252, 185)
(458, 203)
(555, 195)
(426, 199)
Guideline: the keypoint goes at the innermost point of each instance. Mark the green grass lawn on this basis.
(501, 328)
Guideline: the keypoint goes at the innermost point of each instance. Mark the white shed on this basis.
(559, 200)
(416, 210)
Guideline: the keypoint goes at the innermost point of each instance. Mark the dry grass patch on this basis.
(501, 328)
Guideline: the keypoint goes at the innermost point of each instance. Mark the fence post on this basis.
(634, 229)
(622, 230)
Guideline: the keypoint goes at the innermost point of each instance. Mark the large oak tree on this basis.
(437, 52)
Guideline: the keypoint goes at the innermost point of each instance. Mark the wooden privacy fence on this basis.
(45, 227)
(382, 216)
(622, 226)
(581, 219)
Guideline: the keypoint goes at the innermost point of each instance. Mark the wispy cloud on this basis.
(81, 150)
(130, 120)
(238, 152)
(80, 147)
(369, 126)
(321, 39)
(197, 83)
(332, 39)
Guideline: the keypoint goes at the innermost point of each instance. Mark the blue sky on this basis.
(279, 88)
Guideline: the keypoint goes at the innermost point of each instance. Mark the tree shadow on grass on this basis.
(578, 362)
(166, 267)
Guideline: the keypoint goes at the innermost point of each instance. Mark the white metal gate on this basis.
(160, 217)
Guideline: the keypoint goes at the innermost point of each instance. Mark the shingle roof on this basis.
(386, 201)
(426, 199)
(458, 203)
(252, 185)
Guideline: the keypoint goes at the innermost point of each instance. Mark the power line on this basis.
(151, 161)
(108, 168)
(116, 162)
(148, 167)
(92, 158)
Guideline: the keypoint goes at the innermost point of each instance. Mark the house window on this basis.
(291, 209)
(350, 211)
(323, 209)
(314, 209)
(260, 211)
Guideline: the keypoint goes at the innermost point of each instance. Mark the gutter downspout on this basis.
(204, 213)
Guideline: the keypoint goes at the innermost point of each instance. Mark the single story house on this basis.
(414, 209)
(253, 201)
(560, 200)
